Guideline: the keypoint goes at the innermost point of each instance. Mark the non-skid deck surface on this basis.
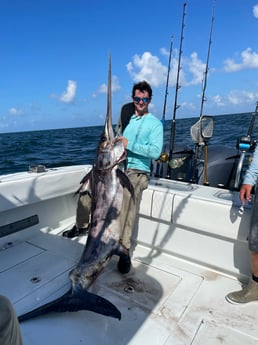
(162, 300)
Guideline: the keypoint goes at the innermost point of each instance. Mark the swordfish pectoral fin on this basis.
(75, 301)
(125, 181)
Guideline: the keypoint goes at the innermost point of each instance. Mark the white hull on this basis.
(191, 250)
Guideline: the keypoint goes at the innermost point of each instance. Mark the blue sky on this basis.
(54, 57)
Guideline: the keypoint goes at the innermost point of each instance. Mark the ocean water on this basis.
(74, 146)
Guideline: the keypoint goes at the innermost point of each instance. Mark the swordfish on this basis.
(105, 182)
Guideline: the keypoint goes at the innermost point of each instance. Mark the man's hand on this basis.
(245, 193)
(124, 140)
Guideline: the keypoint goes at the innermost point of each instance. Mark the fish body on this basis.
(105, 182)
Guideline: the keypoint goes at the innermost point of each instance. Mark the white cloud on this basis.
(255, 11)
(102, 88)
(164, 52)
(195, 69)
(248, 60)
(115, 86)
(69, 95)
(236, 97)
(218, 100)
(147, 67)
(15, 111)
(239, 97)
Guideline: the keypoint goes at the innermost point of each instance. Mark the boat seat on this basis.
(194, 225)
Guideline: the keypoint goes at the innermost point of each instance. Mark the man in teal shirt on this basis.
(143, 140)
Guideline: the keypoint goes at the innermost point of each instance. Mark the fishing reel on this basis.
(164, 157)
(246, 144)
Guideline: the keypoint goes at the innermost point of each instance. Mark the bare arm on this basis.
(245, 193)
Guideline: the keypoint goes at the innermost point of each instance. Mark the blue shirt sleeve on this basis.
(252, 172)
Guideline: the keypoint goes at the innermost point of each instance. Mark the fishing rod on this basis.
(207, 63)
(202, 131)
(251, 126)
(164, 155)
(176, 106)
(166, 90)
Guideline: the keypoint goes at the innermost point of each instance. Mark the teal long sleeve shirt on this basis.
(145, 141)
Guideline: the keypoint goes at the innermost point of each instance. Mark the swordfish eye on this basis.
(102, 141)
(103, 137)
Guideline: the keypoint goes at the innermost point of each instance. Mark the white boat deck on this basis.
(163, 300)
(190, 253)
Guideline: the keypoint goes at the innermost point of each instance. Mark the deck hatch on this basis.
(212, 333)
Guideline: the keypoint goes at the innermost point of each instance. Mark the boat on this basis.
(189, 250)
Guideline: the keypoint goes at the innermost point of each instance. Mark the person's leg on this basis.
(128, 214)
(83, 213)
(254, 265)
(10, 333)
(250, 292)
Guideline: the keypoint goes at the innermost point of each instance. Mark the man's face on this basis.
(141, 101)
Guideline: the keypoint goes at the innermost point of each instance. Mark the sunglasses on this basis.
(138, 99)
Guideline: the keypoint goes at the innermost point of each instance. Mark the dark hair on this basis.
(142, 86)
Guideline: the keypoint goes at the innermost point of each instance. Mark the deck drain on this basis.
(35, 280)
(129, 289)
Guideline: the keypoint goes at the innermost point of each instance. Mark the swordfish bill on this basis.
(105, 183)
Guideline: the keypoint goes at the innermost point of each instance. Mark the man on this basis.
(10, 333)
(142, 136)
(250, 292)
(143, 140)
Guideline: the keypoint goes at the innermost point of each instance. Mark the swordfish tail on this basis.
(75, 301)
